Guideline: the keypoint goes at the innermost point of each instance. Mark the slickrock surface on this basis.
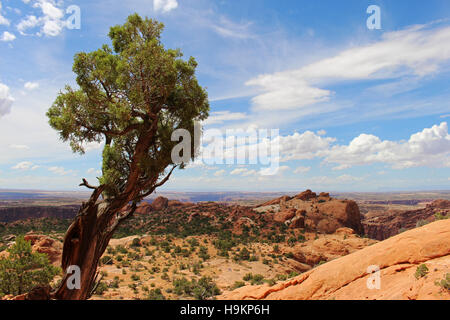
(346, 278)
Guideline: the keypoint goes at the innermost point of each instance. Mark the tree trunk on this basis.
(84, 244)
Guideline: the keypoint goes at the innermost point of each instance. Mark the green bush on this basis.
(421, 271)
(23, 269)
(136, 242)
(238, 284)
(444, 283)
(106, 260)
(101, 288)
(156, 294)
(441, 216)
(257, 279)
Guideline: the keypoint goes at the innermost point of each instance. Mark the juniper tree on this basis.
(131, 96)
(23, 269)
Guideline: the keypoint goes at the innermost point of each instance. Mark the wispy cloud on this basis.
(416, 52)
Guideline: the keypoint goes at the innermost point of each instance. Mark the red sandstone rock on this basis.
(346, 278)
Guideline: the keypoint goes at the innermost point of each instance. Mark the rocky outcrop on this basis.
(382, 225)
(306, 195)
(346, 278)
(160, 203)
(319, 213)
(44, 244)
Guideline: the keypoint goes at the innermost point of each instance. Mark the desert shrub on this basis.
(441, 216)
(238, 284)
(165, 276)
(244, 254)
(121, 249)
(23, 269)
(444, 283)
(205, 288)
(203, 253)
(193, 242)
(135, 277)
(257, 279)
(421, 271)
(421, 223)
(156, 294)
(271, 282)
(136, 242)
(102, 287)
(202, 289)
(106, 260)
(289, 255)
(115, 283)
(248, 277)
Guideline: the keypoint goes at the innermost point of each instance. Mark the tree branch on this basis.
(87, 185)
(159, 184)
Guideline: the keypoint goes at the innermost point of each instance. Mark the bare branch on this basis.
(159, 184)
(87, 185)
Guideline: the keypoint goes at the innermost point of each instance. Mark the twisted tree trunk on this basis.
(85, 242)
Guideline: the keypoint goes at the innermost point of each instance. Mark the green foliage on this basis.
(257, 279)
(136, 242)
(421, 271)
(441, 216)
(156, 294)
(106, 260)
(244, 254)
(289, 255)
(202, 289)
(238, 284)
(101, 288)
(421, 223)
(444, 283)
(132, 96)
(22, 269)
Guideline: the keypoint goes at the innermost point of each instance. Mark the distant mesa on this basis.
(385, 224)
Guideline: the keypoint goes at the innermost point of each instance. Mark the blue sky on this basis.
(356, 109)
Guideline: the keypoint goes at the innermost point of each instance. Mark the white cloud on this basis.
(25, 165)
(60, 171)
(51, 21)
(302, 146)
(222, 116)
(302, 169)
(219, 173)
(31, 85)
(29, 22)
(3, 20)
(164, 5)
(243, 172)
(6, 37)
(415, 51)
(6, 100)
(428, 148)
